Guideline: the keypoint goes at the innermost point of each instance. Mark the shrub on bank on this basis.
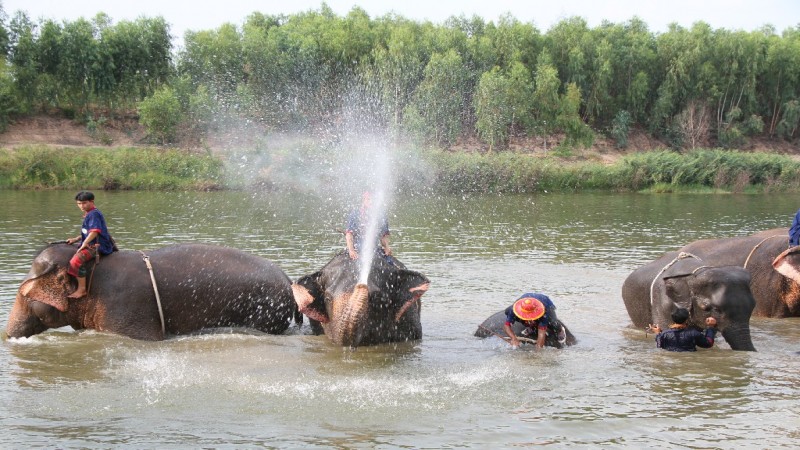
(661, 171)
(40, 167)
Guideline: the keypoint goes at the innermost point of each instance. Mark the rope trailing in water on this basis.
(759, 245)
(681, 255)
(155, 289)
(506, 338)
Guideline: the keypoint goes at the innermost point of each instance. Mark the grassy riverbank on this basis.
(712, 171)
(40, 167)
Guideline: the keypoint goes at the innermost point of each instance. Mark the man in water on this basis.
(94, 238)
(680, 338)
(538, 313)
(356, 229)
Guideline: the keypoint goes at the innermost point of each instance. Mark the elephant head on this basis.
(719, 292)
(351, 313)
(41, 301)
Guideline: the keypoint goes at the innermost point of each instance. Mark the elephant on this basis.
(493, 326)
(679, 279)
(351, 313)
(774, 268)
(197, 286)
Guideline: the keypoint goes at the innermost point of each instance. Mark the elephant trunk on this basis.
(349, 315)
(738, 337)
(21, 323)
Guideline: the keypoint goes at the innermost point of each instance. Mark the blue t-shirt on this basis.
(794, 231)
(357, 222)
(94, 221)
(543, 321)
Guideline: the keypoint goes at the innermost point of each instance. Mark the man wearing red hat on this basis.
(535, 311)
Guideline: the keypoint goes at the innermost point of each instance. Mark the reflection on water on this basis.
(236, 388)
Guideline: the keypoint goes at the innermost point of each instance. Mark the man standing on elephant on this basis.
(94, 238)
(680, 338)
(538, 313)
(357, 232)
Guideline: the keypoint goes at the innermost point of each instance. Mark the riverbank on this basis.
(290, 168)
(53, 153)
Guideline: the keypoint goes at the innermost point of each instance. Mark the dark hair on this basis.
(84, 196)
(680, 315)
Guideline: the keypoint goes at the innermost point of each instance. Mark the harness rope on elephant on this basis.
(155, 289)
(681, 255)
(756, 247)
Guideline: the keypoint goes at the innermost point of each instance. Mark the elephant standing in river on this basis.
(676, 280)
(199, 286)
(351, 312)
(774, 268)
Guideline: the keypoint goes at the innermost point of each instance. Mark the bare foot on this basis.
(77, 294)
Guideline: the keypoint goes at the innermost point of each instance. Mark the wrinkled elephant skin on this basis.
(777, 292)
(200, 286)
(652, 292)
(385, 309)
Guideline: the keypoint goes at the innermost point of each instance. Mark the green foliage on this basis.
(160, 114)
(493, 108)
(299, 72)
(621, 128)
(96, 168)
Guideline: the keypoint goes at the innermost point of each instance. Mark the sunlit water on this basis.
(233, 388)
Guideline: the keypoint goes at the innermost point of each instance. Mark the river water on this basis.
(239, 389)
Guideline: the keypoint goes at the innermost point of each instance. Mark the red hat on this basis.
(528, 309)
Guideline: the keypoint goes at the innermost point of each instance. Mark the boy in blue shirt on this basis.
(94, 238)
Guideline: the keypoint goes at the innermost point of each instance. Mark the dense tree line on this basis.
(436, 83)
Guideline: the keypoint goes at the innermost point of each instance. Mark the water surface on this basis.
(234, 388)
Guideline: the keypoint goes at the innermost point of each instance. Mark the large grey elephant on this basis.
(774, 268)
(199, 286)
(384, 309)
(678, 279)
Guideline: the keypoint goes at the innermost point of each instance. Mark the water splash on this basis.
(375, 216)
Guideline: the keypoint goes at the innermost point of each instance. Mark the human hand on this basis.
(711, 322)
(654, 328)
(70, 241)
(353, 254)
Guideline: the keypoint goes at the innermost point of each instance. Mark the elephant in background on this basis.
(774, 268)
(493, 326)
(676, 280)
(200, 286)
(351, 313)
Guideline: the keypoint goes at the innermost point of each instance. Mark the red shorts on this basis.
(77, 265)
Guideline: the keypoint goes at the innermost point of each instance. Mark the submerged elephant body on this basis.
(200, 286)
(493, 326)
(351, 313)
(652, 292)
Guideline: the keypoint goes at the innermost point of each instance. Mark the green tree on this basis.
(576, 132)
(160, 114)
(493, 108)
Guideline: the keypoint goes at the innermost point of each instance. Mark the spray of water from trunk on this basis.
(372, 230)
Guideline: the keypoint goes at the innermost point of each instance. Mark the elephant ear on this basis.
(309, 295)
(785, 267)
(46, 289)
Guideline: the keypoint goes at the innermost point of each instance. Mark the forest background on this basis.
(492, 105)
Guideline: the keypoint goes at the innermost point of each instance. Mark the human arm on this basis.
(540, 336)
(89, 239)
(511, 335)
(351, 248)
(706, 339)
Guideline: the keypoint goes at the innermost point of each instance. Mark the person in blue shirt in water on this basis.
(538, 313)
(355, 231)
(794, 231)
(681, 338)
(94, 238)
